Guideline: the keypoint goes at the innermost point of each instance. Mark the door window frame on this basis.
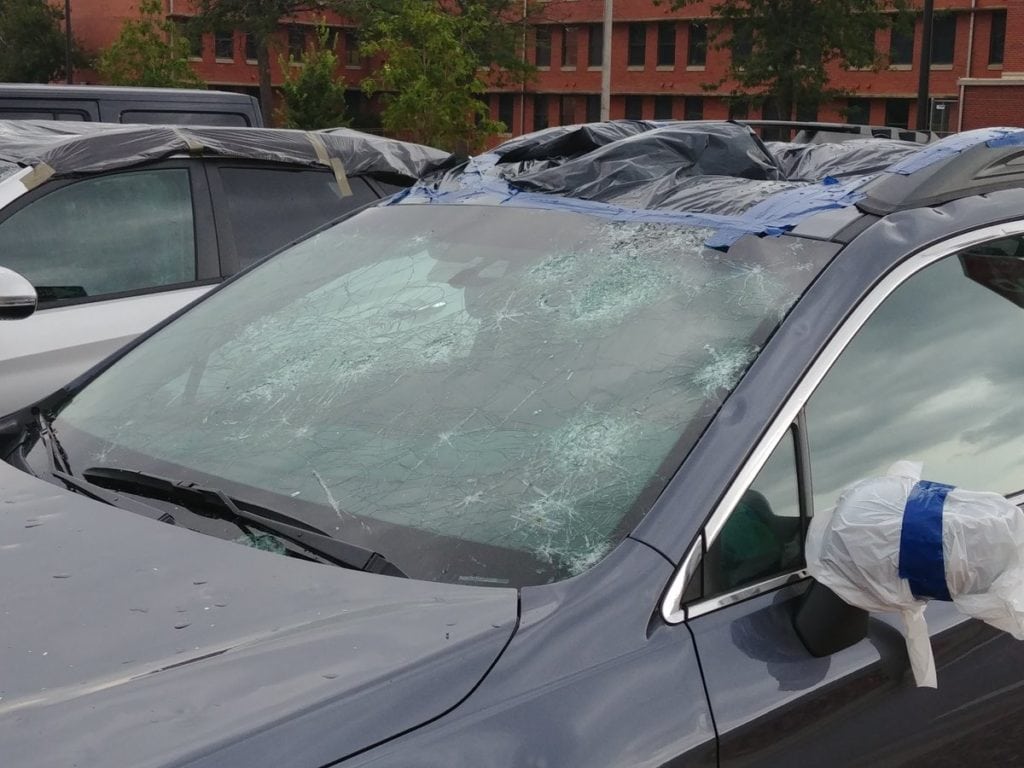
(679, 605)
(207, 266)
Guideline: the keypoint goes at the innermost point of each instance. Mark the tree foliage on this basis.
(149, 51)
(782, 50)
(314, 97)
(432, 57)
(31, 41)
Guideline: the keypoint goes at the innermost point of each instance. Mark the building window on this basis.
(807, 113)
(942, 115)
(858, 111)
(742, 44)
(739, 109)
(662, 107)
(506, 109)
(569, 52)
(193, 37)
(224, 45)
(251, 47)
(542, 46)
(697, 44)
(352, 58)
(593, 107)
(901, 46)
(693, 108)
(943, 38)
(634, 107)
(595, 45)
(567, 110)
(637, 54)
(540, 111)
(666, 43)
(897, 113)
(296, 42)
(997, 37)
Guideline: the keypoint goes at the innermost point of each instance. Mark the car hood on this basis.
(129, 642)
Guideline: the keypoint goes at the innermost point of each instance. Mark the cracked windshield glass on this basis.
(483, 394)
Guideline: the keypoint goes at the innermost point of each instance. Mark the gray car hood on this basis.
(129, 642)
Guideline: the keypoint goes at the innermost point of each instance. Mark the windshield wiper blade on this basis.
(215, 501)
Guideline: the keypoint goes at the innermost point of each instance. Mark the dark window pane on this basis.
(697, 44)
(224, 45)
(858, 111)
(269, 208)
(540, 111)
(296, 42)
(693, 108)
(194, 37)
(901, 46)
(763, 536)
(997, 37)
(593, 107)
(542, 46)
(567, 110)
(662, 107)
(742, 44)
(943, 38)
(506, 109)
(897, 113)
(634, 107)
(251, 47)
(569, 50)
(942, 111)
(595, 45)
(637, 53)
(933, 376)
(107, 234)
(739, 109)
(157, 117)
(666, 43)
(807, 113)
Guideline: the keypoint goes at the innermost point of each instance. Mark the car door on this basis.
(261, 208)
(110, 256)
(930, 367)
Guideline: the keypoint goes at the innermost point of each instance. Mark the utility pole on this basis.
(69, 71)
(925, 67)
(606, 62)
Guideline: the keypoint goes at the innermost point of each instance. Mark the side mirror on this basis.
(826, 624)
(17, 296)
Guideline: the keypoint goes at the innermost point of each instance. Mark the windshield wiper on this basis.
(218, 504)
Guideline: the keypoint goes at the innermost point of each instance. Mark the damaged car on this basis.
(515, 468)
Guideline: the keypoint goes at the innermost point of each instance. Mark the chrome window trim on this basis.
(672, 609)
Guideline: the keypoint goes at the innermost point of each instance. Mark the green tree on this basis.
(149, 51)
(261, 19)
(432, 57)
(313, 96)
(31, 41)
(782, 49)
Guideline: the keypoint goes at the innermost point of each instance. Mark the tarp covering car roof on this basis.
(815, 162)
(83, 148)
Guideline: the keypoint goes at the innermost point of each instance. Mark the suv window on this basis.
(105, 235)
(175, 117)
(763, 536)
(270, 208)
(935, 375)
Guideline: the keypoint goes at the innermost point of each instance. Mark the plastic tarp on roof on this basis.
(815, 162)
(82, 148)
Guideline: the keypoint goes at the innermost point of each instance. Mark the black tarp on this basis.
(815, 162)
(82, 148)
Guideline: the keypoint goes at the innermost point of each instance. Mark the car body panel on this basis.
(163, 646)
(48, 349)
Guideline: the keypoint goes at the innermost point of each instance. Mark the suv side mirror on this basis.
(17, 296)
(826, 624)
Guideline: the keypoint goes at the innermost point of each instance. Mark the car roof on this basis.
(74, 148)
(720, 175)
(120, 92)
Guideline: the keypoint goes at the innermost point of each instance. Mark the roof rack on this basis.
(831, 133)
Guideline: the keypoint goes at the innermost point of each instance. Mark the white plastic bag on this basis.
(894, 542)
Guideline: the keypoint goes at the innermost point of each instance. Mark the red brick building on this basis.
(661, 59)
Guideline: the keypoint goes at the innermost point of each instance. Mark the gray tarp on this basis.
(814, 162)
(81, 148)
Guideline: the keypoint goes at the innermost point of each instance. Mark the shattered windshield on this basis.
(488, 395)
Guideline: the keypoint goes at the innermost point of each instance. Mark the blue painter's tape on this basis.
(922, 562)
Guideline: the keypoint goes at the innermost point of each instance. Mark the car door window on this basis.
(269, 208)
(763, 536)
(935, 375)
(105, 235)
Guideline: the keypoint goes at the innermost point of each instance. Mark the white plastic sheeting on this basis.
(894, 542)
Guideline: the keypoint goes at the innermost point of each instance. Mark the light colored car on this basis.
(118, 227)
